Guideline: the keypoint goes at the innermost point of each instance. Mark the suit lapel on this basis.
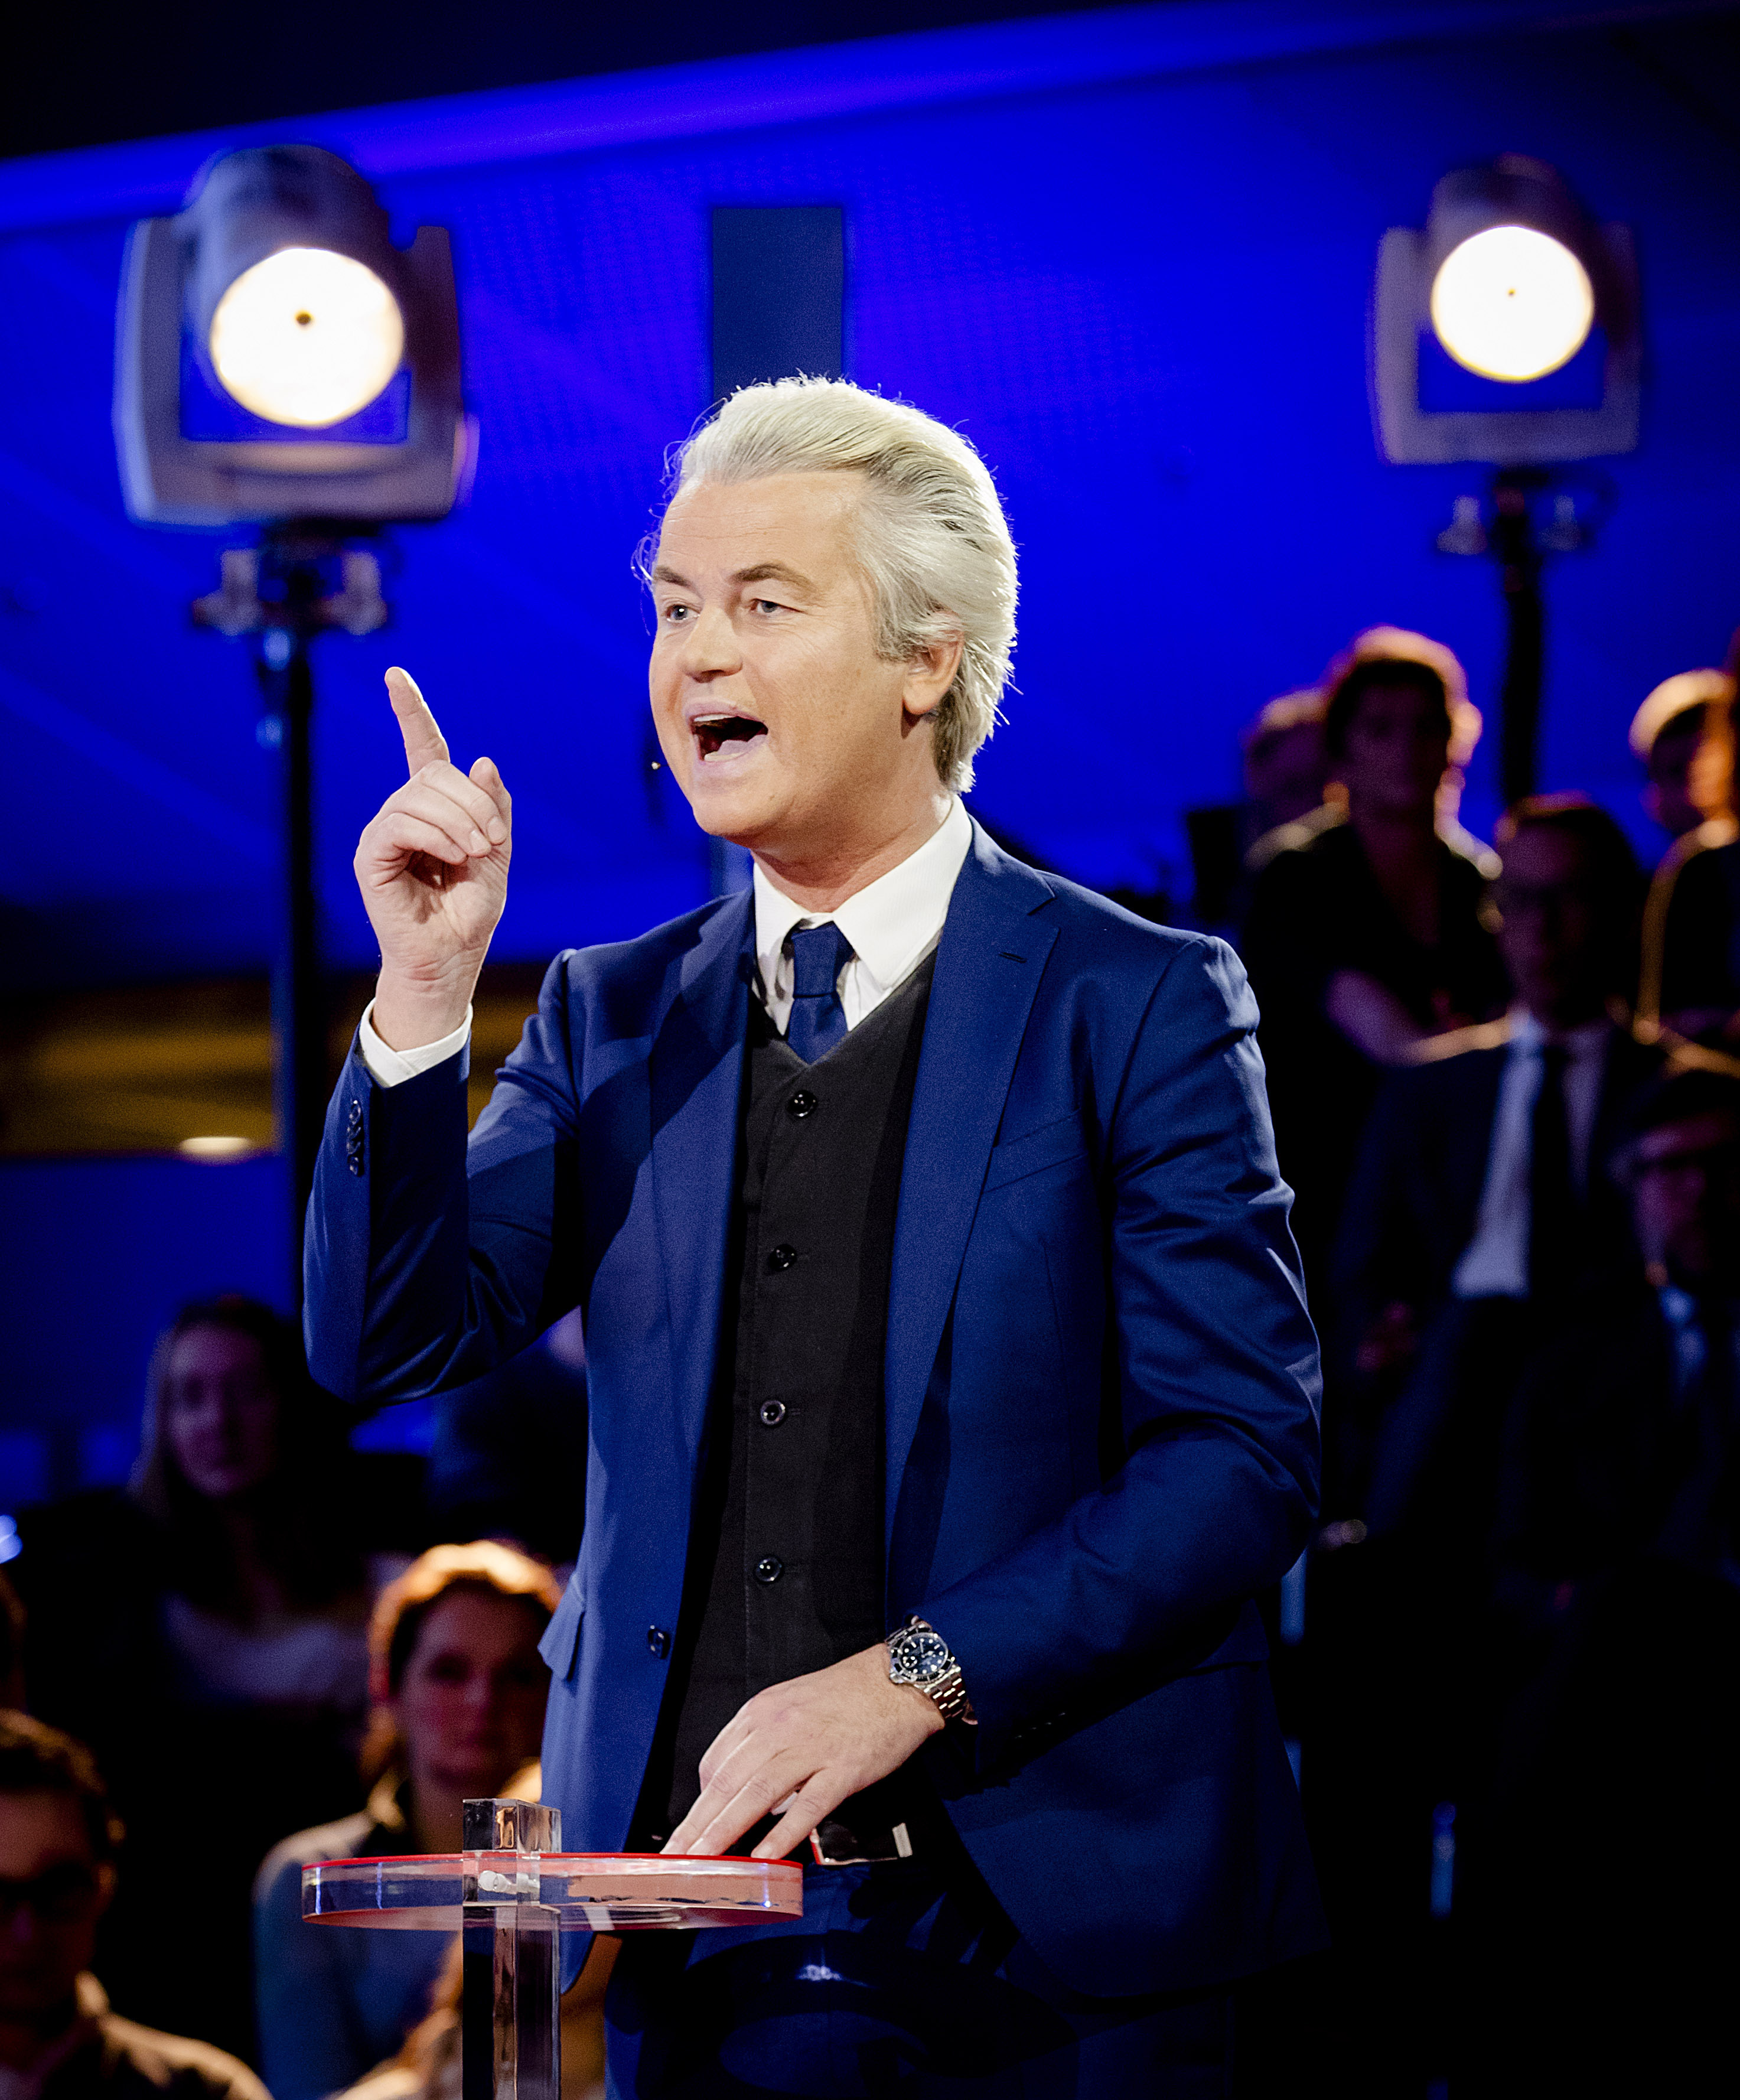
(696, 1074)
(989, 963)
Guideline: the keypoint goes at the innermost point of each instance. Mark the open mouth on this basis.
(714, 734)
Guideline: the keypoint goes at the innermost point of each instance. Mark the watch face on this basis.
(922, 1655)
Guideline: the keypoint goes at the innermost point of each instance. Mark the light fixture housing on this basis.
(279, 358)
(1506, 330)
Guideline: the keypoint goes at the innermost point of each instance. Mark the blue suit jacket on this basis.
(1100, 1381)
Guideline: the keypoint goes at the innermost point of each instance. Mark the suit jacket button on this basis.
(802, 1103)
(772, 1412)
(768, 1569)
(781, 1257)
(658, 1642)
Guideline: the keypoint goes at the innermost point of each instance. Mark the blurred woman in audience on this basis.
(1682, 736)
(205, 1632)
(1366, 932)
(459, 1690)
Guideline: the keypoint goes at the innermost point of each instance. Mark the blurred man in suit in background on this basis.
(1480, 1204)
(1479, 1207)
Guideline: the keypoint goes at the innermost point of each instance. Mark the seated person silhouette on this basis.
(1610, 1922)
(58, 2041)
(459, 1691)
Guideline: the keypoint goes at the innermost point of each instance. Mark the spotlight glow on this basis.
(1512, 303)
(306, 337)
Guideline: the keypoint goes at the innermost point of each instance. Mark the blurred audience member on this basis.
(1286, 765)
(459, 1690)
(1682, 735)
(58, 2041)
(1479, 1205)
(1614, 1858)
(1690, 979)
(480, 1484)
(205, 1630)
(1366, 933)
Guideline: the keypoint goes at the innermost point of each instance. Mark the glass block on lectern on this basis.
(510, 2015)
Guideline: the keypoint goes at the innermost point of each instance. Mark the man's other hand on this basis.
(803, 1748)
(432, 869)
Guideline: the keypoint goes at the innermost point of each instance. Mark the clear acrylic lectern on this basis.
(511, 1893)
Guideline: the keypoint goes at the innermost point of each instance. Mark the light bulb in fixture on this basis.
(306, 337)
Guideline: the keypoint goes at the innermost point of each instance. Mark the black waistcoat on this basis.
(786, 1559)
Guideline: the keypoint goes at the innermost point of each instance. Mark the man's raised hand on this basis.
(432, 869)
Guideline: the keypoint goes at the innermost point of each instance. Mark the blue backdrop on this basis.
(1131, 255)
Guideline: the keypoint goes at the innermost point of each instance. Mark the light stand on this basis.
(283, 592)
(1515, 527)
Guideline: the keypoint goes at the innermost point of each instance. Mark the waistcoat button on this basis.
(781, 1257)
(802, 1103)
(768, 1569)
(658, 1642)
(773, 1413)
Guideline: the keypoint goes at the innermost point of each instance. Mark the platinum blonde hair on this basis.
(931, 532)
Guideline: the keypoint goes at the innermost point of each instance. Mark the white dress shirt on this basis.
(1495, 1262)
(892, 924)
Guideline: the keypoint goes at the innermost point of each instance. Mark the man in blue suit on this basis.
(952, 1390)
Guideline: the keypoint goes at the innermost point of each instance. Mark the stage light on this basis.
(1512, 303)
(281, 363)
(216, 1148)
(279, 358)
(307, 337)
(1505, 329)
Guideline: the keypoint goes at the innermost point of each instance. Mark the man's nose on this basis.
(710, 646)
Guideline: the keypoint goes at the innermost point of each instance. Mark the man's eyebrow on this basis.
(768, 572)
(663, 575)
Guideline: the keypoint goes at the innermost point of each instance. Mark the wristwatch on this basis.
(918, 1655)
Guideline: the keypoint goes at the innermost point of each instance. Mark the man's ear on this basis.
(930, 675)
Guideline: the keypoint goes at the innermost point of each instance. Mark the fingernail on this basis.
(498, 830)
(480, 844)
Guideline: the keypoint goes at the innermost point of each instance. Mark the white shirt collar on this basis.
(893, 923)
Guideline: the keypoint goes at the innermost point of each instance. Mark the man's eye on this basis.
(765, 604)
(677, 614)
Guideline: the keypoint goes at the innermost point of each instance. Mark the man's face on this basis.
(1686, 1200)
(51, 1895)
(1551, 936)
(784, 728)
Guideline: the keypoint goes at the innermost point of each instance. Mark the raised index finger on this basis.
(424, 745)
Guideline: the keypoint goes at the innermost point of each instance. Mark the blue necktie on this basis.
(819, 1020)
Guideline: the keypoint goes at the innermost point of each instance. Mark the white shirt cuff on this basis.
(392, 1068)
